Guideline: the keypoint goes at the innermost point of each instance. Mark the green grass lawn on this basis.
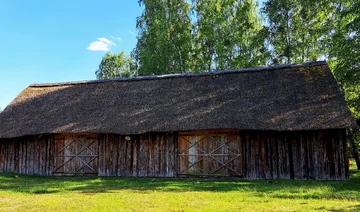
(31, 193)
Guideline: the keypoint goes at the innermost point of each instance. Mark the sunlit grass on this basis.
(33, 193)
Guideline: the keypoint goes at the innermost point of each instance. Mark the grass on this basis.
(33, 193)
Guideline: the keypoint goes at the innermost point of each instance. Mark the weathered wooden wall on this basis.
(76, 154)
(28, 155)
(148, 155)
(248, 154)
(265, 155)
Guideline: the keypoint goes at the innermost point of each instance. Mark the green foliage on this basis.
(344, 60)
(114, 66)
(228, 34)
(178, 36)
(344, 51)
(164, 39)
(297, 29)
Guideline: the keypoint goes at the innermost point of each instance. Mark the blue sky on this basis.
(57, 41)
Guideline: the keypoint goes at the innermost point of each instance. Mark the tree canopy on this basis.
(164, 39)
(114, 66)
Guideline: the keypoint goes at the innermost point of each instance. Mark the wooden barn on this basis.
(281, 122)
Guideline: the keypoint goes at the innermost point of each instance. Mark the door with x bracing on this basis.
(209, 154)
(76, 155)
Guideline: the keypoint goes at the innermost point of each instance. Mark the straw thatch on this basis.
(292, 97)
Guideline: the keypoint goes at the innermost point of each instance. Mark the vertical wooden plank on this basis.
(162, 156)
(253, 145)
(46, 158)
(310, 155)
(167, 155)
(119, 158)
(303, 153)
(172, 155)
(114, 155)
(275, 156)
(6, 156)
(334, 139)
(296, 156)
(129, 155)
(36, 163)
(246, 152)
(269, 156)
(329, 165)
(256, 155)
(106, 156)
(176, 151)
(151, 170)
(284, 170)
(282, 158)
(45, 155)
(343, 158)
(124, 156)
(1, 155)
(101, 155)
(320, 155)
(264, 170)
(52, 155)
(11, 157)
(21, 157)
(28, 154)
(241, 152)
(210, 145)
(41, 153)
(192, 152)
(16, 156)
(225, 152)
(57, 149)
(135, 157)
(316, 154)
(268, 166)
(142, 156)
(6, 152)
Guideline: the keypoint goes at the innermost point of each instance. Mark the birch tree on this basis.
(114, 66)
(297, 29)
(164, 38)
(228, 34)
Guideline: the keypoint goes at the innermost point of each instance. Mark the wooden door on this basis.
(76, 155)
(209, 154)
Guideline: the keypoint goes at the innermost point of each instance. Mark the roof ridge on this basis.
(169, 76)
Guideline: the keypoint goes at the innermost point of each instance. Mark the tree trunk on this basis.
(353, 146)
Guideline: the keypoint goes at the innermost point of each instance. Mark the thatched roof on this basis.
(290, 97)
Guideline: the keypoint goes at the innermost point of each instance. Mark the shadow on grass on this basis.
(348, 208)
(290, 189)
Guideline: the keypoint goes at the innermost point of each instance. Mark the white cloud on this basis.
(115, 38)
(102, 44)
(131, 32)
